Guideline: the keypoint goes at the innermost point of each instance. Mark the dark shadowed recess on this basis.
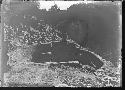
(102, 34)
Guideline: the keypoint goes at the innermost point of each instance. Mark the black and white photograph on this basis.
(61, 44)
